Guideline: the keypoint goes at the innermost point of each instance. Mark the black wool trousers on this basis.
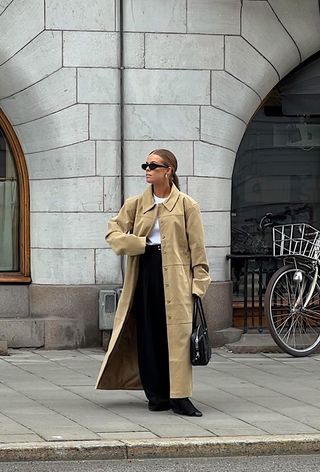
(149, 308)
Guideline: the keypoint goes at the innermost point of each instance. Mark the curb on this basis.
(161, 448)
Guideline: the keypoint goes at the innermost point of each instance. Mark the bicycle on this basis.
(292, 298)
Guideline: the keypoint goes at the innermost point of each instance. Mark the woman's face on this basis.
(158, 175)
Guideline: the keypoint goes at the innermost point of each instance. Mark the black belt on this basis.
(152, 248)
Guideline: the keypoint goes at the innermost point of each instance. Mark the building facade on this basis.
(87, 90)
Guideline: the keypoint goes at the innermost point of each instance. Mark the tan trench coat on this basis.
(185, 272)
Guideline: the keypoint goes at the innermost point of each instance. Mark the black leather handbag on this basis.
(200, 348)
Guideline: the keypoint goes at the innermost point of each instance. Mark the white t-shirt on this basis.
(154, 235)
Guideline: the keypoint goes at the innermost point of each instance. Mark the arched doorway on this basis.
(14, 208)
(276, 179)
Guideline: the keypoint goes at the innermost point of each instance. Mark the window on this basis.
(14, 208)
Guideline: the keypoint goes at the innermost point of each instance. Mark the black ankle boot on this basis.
(159, 406)
(183, 406)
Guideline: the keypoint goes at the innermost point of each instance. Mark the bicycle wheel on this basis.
(295, 328)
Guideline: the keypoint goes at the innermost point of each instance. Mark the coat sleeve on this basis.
(119, 235)
(199, 263)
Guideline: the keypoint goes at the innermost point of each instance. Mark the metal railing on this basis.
(250, 276)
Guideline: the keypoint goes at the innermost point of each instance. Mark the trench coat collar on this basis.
(148, 200)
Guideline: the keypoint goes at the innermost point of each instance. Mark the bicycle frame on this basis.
(315, 268)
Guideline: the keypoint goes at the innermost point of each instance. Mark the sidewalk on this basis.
(49, 408)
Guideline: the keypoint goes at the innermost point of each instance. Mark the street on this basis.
(309, 463)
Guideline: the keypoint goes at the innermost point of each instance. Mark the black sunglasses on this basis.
(152, 166)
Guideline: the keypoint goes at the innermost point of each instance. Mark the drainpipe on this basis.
(121, 106)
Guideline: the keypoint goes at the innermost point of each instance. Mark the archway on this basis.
(276, 179)
(14, 208)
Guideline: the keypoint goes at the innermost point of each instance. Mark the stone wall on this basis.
(195, 72)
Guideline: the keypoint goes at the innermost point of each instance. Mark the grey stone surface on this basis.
(14, 301)
(3, 347)
(68, 230)
(76, 160)
(26, 19)
(98, 85)
(77, 264)
(213, 161)
(176, 122)
(104, 122)
(221, 128)
(63, 333)
(218, 17)
(77, 303)
(252, 344)
(252, 404)
(164, 16)
(75, 15)
(167, 87)
(35, 102)
(182, 51)
(22, 332)
(44, 52)
(90, 49)
(259, 24)
(225, 336)
(246, 64)
(64, 127)
(64, 195)
(218, 307)
(299, 17)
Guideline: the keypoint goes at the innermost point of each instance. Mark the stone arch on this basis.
(23, 274)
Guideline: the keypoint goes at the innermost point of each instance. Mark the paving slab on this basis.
(48, 401)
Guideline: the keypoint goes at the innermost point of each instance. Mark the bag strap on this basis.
(198, 312)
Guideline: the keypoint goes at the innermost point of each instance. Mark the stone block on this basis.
(65, 127)
(259, 24)
(213, 161)
(80, 304)
(77, 194)
(97, 85)
(4, 5)
(183, 51)
(136, 152)
(44, 52)
(247, 64)
(134, 186)
(61, 333)
(90, 49)
(108, 267)
(68, 230)
(233, 96)
(212, 194)
(164, 16)
(217, 305)
(62, 266)
(76, 160)
(104, 122)
(78, 15)
(225, 336)
(167, 87)
(219, 266)
(108, 158)
(14, 301)
(133, 46)
(3, 348)
(19, 24)
(217, 228)
(161, 122)
(111, 194)
(47, 96)
(298, 17)
(221, 128)
(218, 17)
(22, 332)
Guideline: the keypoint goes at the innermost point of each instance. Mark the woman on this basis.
(161, 233)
